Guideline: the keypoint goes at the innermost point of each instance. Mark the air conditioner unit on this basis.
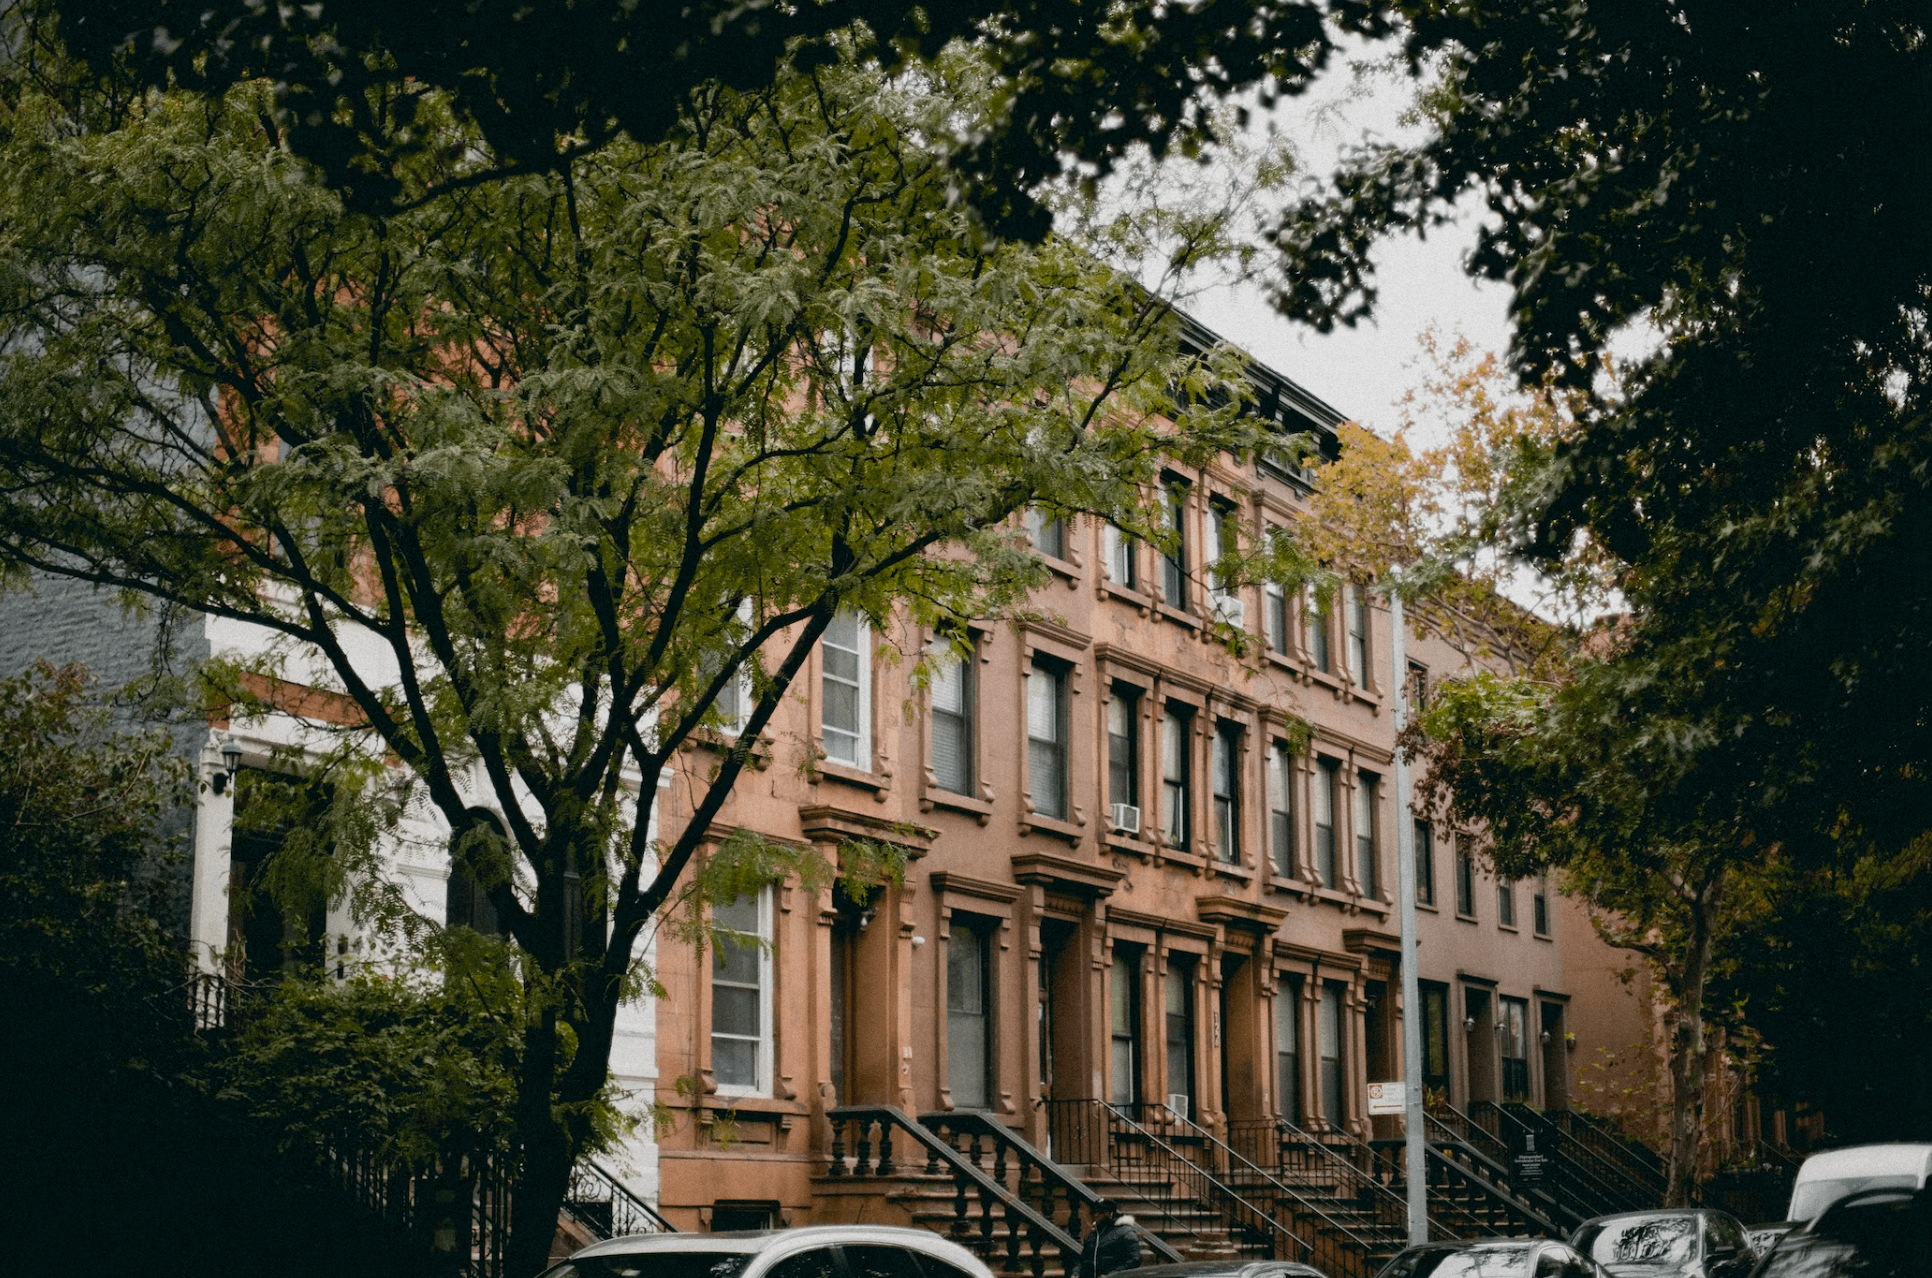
(1126, 818)
(1177, 1101)
(1231, 609)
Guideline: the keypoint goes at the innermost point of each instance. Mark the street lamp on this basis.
(231, 754)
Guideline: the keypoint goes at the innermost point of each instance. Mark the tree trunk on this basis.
(545, 1155)
(1690, 1052)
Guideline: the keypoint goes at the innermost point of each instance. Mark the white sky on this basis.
(1363, 372)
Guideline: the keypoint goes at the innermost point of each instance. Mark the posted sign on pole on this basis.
(1387, 1098)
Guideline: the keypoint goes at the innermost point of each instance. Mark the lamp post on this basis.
(1415, 1166)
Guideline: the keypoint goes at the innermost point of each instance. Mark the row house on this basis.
(1134, 879)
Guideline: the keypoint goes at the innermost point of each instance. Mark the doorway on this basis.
(1480, 1026)
(1556, 1058)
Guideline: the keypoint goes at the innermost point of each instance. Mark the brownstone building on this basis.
(1126, 884)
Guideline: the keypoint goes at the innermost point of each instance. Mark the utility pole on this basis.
(1415, 1164)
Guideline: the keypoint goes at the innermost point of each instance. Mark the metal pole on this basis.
(1415, 1165)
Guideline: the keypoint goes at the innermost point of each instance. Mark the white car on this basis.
(1825, 1178)
(818, 1251)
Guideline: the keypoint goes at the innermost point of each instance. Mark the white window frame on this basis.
(1117, 556)
(863, 747)
(762, 1084)
(1354, 607)
(740, 682)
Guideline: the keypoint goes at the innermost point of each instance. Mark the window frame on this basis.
(1128, 697)
(763, 1043)
(863, 745)
(1332, 1070)
(1038, 526)
(1316, 626)
(1177, 793)
(1355, 610)
(1540, 912)
(1506, 903)
(1055, 676)
(968, 720)
(1224, 773)
(1182, 970)
(1327, 793)
(1425, 863)
(984, 930)
(1174, 592)
(1124, 976)
(1367, 832)
(1281, 809)
(1118, 561)
(1274, 618)
(1465, 883)
(1288, 1077)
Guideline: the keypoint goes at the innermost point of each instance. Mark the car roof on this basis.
(756, 1242)
(1868, 1160)
(1204, 1268)
(1652, 1214)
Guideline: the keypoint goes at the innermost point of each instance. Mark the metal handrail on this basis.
(1605, 1193)
(1638, 1163)
(1202, 1175)
(1052, 1174)
(939, 1153)
(1496, 1172)
(1368, 1245)
(592, 1185)
(1522, 1213)
(1362, 1180)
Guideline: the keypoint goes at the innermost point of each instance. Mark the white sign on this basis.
(1387, 1098)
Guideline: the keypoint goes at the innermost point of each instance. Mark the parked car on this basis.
(1690, 1242)
(1230, 1269)
(1762, 1237)
(1492, 1258)
(1872, 1233)
(819, 1251)
(1825, 1178)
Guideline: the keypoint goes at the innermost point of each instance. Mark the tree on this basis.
(570, 452)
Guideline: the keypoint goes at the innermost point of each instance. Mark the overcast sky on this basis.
(1364, 371)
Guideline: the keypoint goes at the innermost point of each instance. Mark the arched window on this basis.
(467, 904)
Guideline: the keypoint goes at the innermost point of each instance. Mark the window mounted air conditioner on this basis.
(1126, 818)
(1177, 1101)
(1231, 609)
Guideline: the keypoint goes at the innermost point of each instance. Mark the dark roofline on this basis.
(1290, 403)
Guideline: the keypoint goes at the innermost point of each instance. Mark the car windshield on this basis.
(1647, 1240)
(1810, 1199)
(655, 1264)
(1486, 1262)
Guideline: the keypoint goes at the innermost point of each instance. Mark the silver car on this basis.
(819, 1251)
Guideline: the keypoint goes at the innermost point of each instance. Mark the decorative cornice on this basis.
(1064, 874)
(946, 881)
(837, 825)
(1234, 911)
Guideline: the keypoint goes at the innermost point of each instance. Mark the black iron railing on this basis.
(1639, 1165)
(903, 1144)
(1581, 1179)
(1035, 1176)
(598, 1199)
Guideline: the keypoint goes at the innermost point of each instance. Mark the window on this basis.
(952, 725)
(882, 1262)
(740, 1007)
(1180, 1034)
(1046, 740)
(1540, 905)
(1366, 794)
(1123, 1008)
(1046, 533)
(1328, 1031)
(1274, 617)
(734, 699)
(1505, 902)
(816, 1263)
(1465, 884)
(1435, 1037)
(1515, 1050)
(467, 904)
(969, 1019)
(1418, 686)
(1281, 822)
(1123, 749)
(1315, 613)
(1118, 558)
(1227, 791)
(1176, 783)
(1358, 649)
(846, 720)
(1288, 1049)
(1174, 562)
(1327, 777)
(1220, 540)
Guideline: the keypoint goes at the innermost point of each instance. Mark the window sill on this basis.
(1466, 918)
(1034, 823)
(1232, 870)
(1334, 896)
(1543, 936)
(1374, 905)
(846, 774)
(1179, 856)
(1507, 927)
(1130, 845)
(1177, 616)
(1126, 595)
(757, 758)
(1426, 906)
(1281, 883)
(1066, 570)
(749, 1103)
(1281, 659)
(934, 797)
